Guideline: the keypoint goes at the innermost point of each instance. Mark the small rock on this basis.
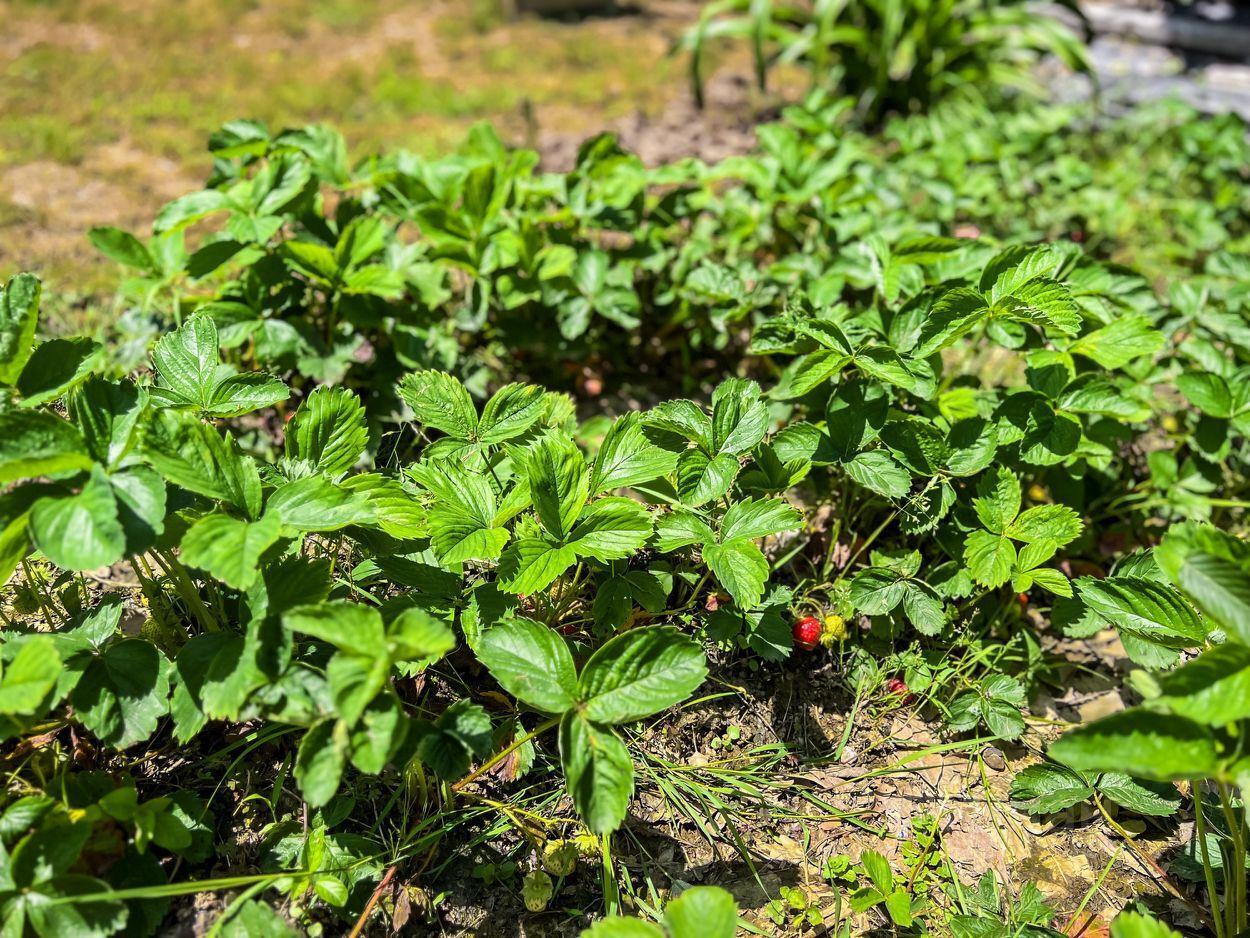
(850, 755)
(994, 758)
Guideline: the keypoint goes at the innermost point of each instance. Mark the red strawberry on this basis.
(896, 685)
(807, 631)
(1022, 598)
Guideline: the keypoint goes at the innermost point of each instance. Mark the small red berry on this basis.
(1023, 598)
(807, 631)
(896, 685)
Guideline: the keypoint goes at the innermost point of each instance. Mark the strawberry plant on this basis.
(476, 262)
(1193, 726)
(433, 515)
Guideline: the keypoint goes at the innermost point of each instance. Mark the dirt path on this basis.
(105, 107)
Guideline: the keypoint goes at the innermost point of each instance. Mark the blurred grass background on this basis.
(105, 104)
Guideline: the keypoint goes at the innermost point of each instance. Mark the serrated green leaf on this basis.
(512, 410)
(1208, 392)
(998, 500)
(1047, 788)
(681, 528)
(19, 316)
(639, 673)
(351, 627)
(188, 363)
(123, 692)
(1120, 341)
(80, 531)
(532, 663)
(56, 367)
(739, 417)
(953, 315)
(1040, 300)
(328, 431)
(314, 503)
(626, 457)
(416, 635)
(875, 591)
(1142, 743)
(610, 529)
(531, 564)
(122, 247)
(701, 479)
(559, 482)
(754, 518)
(36, 444)
(1214, 688)
(1054, 524)
(440, 401)
(229, 548)
(1147, 609)
(740, 567)
(321, 759)
(878, 472)
(29, 675)
(990, 558)
(598, 771)
(196, 457)
(1153, 799)
(923, 608)
(354, 681)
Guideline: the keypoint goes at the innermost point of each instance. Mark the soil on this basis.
(886, 777)
(724, 127)
(894, 765)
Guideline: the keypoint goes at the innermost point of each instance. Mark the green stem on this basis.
(877, 532)
(504, 753)
(835, 534)
(566, 595)
(1208, 871)
(186, 590)
(694, 597)
(1150, 863)
(40, 597)
(1234, 874)
(157, 599)
(611, 892)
